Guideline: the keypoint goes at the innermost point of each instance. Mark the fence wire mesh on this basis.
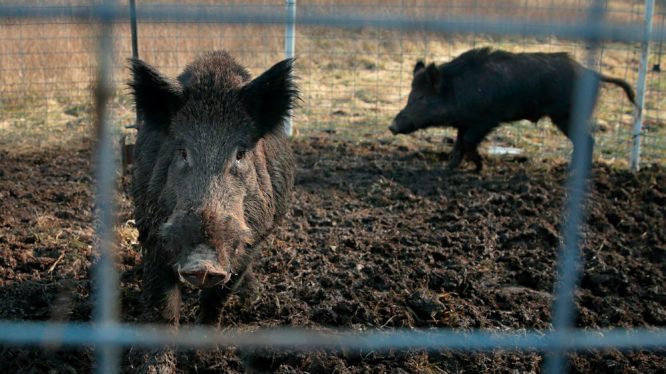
(354, 80)
(354, 69)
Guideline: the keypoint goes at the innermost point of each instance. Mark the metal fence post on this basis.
(127, 150)
(135, 53)
(289, 48)
(135, 34)
(640, 89)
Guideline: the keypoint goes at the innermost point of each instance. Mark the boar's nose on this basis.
(393, 127)
(203, 276)
(201, 268)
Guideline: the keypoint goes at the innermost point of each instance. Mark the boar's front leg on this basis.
(457, 153)
(473, 137)
(161, 294)
(161, 303)
(212, 299)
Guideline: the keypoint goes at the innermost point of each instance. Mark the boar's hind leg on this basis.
(563, 124)
(473, 136)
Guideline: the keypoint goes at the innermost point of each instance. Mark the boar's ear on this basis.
(419, 65)
(157, 98)
(433, 76)
(269, 97)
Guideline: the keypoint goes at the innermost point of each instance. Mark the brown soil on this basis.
(379, 236)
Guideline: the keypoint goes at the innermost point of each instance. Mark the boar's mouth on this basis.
(400, 129)
(393, 128)
(202, 269)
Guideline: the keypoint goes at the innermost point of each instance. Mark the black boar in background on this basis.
(482, 88)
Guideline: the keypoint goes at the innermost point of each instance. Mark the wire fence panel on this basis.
(63, 82)
(48, 62)
(356, 81)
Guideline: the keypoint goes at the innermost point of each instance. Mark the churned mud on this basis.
(379, 236)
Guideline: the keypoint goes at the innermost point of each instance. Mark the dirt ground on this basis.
(380, 235)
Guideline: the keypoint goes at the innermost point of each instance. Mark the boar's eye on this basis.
(240, 154)
(182, 152)
(415, 98)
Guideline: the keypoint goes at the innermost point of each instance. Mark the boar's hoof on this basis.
(478, 164)
(203, 276)
(453, 164)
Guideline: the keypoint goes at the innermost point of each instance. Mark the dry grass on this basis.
(352, 81)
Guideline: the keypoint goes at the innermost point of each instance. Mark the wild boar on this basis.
(482, 88)
(213, 177)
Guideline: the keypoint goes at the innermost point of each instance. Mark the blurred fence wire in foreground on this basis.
(108, 335)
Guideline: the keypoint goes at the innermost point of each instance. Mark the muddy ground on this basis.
(380, 236)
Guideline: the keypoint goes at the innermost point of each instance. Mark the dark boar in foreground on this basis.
(482, 88)
(213, 176)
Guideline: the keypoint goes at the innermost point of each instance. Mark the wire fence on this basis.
(354, 68)
(355, 78)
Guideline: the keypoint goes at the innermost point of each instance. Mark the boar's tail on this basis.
(622, 83)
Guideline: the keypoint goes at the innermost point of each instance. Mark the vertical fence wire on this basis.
(570, 262)
(106, 280)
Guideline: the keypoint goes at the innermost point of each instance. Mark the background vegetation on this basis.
(352, 81)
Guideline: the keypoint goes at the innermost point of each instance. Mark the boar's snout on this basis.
(401, 124)
(393, 128)
(208, 247)
(203, 277)
(202, 269)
